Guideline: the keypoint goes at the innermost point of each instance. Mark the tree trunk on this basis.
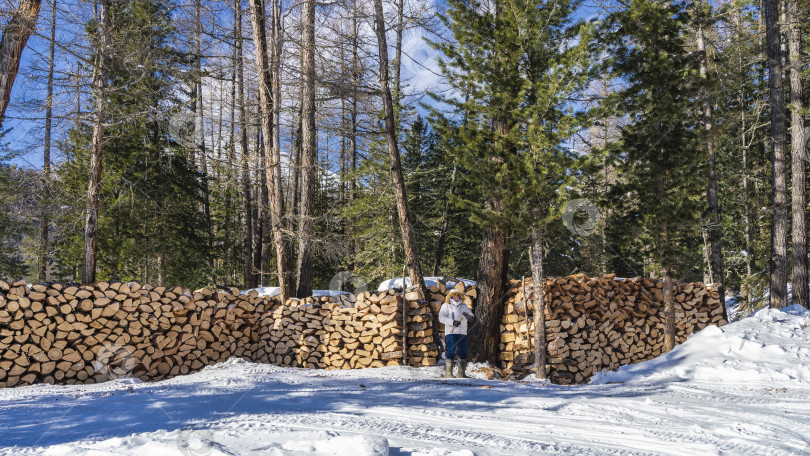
(669, 308)
(408, 237)
(309, 153)
(260, 199)
(666, 272)
(539, 303)
(715, 225)
(778, 297)
(199, 135)
(445, 223)
(15, 36)
(492, 272)
(161, 271)
(746, 290)
(247, 202)
(273, 165)
(353, 138)
(276, 28)
(799, 226)
(398, 57)
(264, 213)
(46, 155)
(100, 94)
(491, 284)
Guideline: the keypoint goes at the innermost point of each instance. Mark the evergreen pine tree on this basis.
(519, 64)
(658, 155)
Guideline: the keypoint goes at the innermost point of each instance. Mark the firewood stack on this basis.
(70, 334)
(593, 324)
(328, 335)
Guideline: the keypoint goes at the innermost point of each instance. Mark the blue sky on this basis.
(25, 115)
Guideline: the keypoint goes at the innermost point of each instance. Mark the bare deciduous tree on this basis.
(397, 179)
(273, 165)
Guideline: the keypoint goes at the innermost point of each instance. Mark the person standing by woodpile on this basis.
(455, 315)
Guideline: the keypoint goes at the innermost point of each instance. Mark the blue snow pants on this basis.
(456, 345)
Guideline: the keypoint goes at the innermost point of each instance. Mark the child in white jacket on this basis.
(454, 314)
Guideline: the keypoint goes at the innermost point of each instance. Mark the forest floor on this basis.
(740, 389)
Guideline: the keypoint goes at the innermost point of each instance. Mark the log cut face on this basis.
(594, 324)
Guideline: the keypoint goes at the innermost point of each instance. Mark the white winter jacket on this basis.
(450, 312)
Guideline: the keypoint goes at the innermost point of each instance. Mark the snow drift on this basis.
(770, 346)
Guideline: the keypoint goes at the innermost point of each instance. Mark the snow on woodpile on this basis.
(447, 282)
(275, 291)
(770, 346)
(263, 291)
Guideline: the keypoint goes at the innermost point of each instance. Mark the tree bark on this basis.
(778, 297)
(199, 135)
(666, 270)
(669, 309)
(398, 181)
(491, 284)
(309, 153)
(539, 303)
(161, 271)
(715, 225)
(797, 144)
(247, 201)
(275, 65)
(260, 200)
(353, 137)
(15, 37)
(265, 238)
(96, 153)
(397, 95)
(46, 155)
(445, 223)
(273, 165)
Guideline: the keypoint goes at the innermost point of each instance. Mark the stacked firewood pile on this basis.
(593, 324)
(72, 334)
(328, 335)
(69, 334)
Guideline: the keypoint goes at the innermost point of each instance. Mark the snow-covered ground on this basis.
(742, 389)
